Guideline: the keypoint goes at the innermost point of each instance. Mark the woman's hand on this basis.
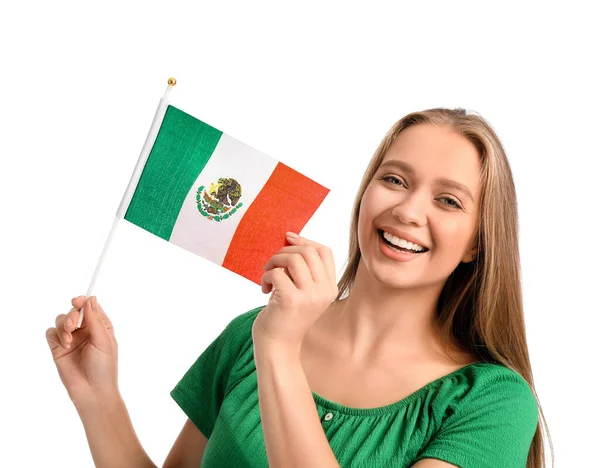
(302, 280)
(86, 358)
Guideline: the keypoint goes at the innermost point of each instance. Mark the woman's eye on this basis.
(391, 180)
(452, 203)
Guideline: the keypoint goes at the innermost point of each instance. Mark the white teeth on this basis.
(402, 242)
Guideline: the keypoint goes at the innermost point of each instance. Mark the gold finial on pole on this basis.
(171, 82)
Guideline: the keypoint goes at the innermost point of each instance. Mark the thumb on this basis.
(92, 320)
(78, 301)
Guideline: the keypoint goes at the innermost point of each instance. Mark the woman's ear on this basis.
(470, 255)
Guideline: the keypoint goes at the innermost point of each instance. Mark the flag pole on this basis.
(135, 177)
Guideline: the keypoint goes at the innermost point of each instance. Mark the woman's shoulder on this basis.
(241, 324)
(236, 338)
(486, 388)
(484, 377)
(483, 414)
(222, 356)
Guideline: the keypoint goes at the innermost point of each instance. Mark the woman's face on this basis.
(426, 188)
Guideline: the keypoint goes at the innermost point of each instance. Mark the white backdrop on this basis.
(316, 85)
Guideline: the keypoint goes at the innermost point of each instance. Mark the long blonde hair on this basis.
(481, 306)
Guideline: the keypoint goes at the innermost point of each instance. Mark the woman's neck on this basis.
(376, 321)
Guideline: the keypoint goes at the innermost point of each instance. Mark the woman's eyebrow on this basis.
(443, 182)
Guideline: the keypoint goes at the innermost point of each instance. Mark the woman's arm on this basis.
(301, 280)
(86, 360)
(293, 433)
(114, 443)
(188, 449)
(110, 434)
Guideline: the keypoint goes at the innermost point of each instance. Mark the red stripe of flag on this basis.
(286, 203)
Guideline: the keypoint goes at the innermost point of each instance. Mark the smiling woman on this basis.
(417, 357)
(443, 174)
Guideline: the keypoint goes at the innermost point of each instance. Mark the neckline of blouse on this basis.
(379, 410)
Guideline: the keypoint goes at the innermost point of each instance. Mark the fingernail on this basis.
(292, 235)
(93, 302)
(68, 323)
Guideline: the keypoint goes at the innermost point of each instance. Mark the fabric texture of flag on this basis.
(219, 198)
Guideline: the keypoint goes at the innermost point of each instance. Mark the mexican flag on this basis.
(215, 196)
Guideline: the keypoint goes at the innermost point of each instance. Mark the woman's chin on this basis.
(388, 278)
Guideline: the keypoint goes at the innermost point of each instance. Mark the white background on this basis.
(315, 85)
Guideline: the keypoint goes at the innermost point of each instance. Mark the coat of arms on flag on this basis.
(219, 202)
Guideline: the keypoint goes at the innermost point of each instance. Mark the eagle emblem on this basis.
(220, 200)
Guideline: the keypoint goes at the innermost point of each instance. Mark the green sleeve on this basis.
(203, 387)
(490, 427)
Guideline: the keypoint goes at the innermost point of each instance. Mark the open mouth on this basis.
(400, 249)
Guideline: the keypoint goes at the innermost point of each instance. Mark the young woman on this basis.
(417, 357)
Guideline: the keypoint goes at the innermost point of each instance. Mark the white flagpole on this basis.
(135, 178)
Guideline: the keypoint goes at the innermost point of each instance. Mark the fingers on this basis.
(97, 323)
(319, 259)
(71, 320)
(324, 252)
(307, 254)
(52, 338)
(296, 265)
(276, 279)
(78, 303)
(64, 336)
(66, 324)
(303, 265)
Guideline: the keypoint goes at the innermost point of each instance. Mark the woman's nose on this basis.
(411, 210)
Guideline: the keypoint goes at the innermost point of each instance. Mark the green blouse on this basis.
(482, 415)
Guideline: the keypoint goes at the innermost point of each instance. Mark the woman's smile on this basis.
(394, 252)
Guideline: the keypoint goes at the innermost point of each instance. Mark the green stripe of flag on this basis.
(183, 147)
